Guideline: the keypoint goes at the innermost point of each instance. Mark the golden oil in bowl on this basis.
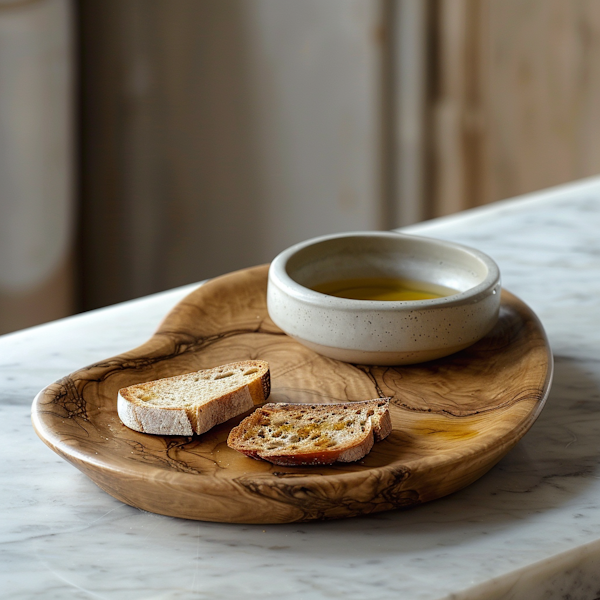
(383, 288)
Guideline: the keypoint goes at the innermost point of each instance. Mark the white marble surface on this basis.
(529, 529)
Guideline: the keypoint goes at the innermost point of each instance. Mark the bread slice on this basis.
(312, 434)
(195, 402)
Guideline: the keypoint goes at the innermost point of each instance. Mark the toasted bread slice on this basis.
(312, 434)
(194, 402)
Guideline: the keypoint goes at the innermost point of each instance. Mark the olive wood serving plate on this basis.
(453, 418)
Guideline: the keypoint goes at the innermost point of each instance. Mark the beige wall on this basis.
(36, 162)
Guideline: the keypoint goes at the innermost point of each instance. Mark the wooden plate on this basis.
(453, 418)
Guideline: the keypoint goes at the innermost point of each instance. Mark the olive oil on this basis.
(383, 288)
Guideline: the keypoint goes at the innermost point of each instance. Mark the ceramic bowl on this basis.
(378, 332)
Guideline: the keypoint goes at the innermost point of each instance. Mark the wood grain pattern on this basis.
(453, 418)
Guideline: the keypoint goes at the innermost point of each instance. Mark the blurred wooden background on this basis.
(211, 134)
(217, 132)
(515, 103)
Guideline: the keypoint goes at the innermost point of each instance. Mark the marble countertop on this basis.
(528, 529)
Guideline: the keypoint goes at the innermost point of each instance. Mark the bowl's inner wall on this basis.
(404, 258)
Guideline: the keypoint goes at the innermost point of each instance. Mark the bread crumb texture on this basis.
(203, 398)
(312, 433)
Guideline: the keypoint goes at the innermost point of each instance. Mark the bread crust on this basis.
(375, 425)
(192, 417)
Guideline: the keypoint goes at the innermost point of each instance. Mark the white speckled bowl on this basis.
(383, 332)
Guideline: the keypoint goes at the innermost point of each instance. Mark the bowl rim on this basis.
(278, 276)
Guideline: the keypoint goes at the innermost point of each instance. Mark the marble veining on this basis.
(530, 528)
